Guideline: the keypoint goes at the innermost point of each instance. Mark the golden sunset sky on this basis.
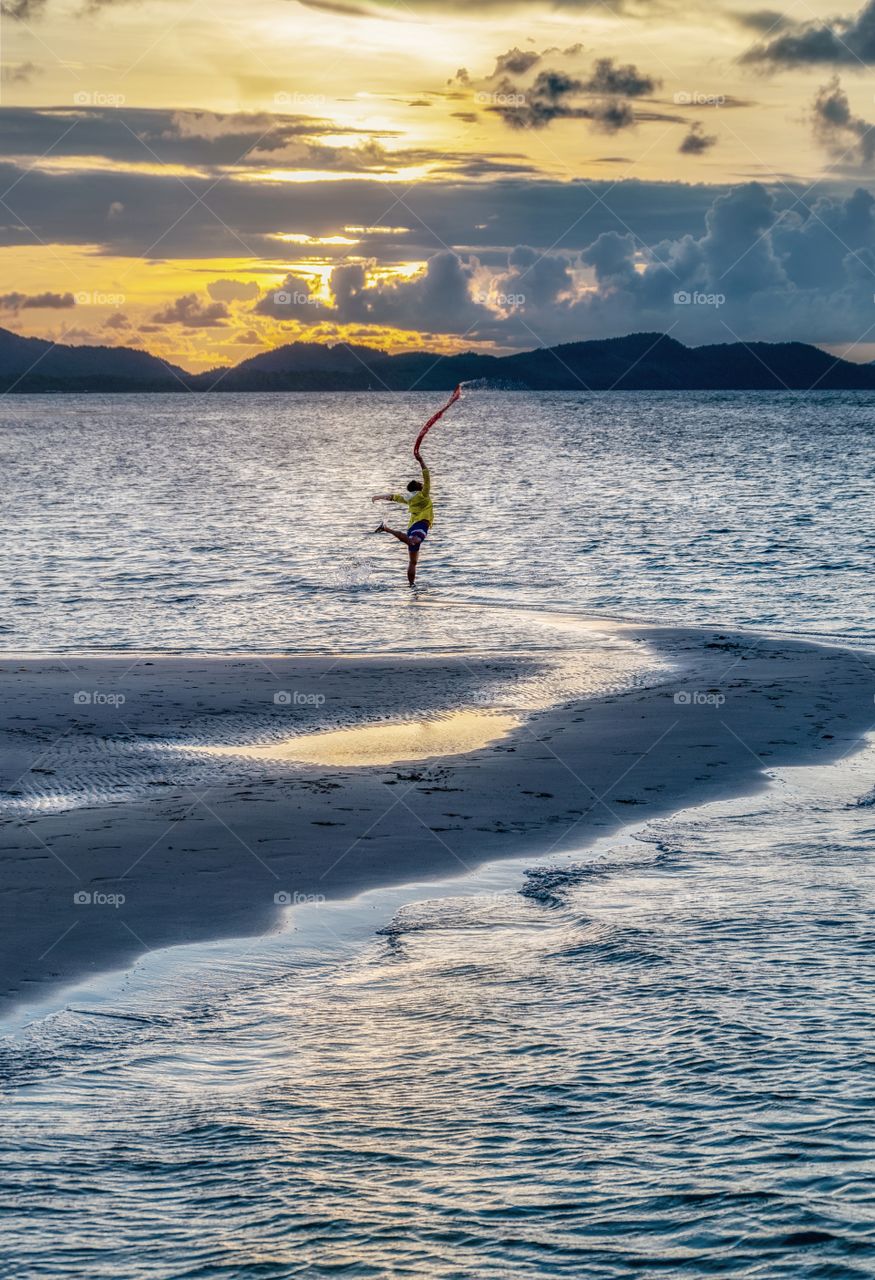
(206, 181)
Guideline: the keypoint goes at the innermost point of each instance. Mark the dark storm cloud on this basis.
(626, 82)
(603, 98)
(22, 10)
(544, 278)
(612, 115)
(293, 299)
(213, 142)
(807, 275)
(192, 312)
(768, 275)
(764, 20)
(157, 216)
(484, 166)
(696, 141)
(836, 126)
(516, 62)
(439, 298)
(839, 41)
(36, 301)
(547, 99)
(142, 135)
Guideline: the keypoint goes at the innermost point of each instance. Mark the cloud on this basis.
(696, 141)
(36, 301)
(752, 272)
(295, 298)
(627, 82)
(612, 115)
(765, 20)
(150, 136)
(338, 7)
(18, 72)
(165, 219)
(118, 320)
(543, 278)
(837, 128)
(556, 95)
(147, 136)
(536, 107)
(213, 142)
(438, 299)
(390, 10)
(249, 338)
(22, 10)
(516, 62)
(839, 41)
(232, 290)
(192, 313)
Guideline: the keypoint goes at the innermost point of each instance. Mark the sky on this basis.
(207, 182)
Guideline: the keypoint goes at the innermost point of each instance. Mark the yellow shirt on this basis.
(418, 504)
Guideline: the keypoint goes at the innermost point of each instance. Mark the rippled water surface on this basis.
(654, 1059)
(650, 1059)
(240, 522)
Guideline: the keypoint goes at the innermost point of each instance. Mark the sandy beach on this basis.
(152, 801)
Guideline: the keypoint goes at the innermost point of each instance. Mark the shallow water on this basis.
(395, 742)
(652, 1059)
(233, 522)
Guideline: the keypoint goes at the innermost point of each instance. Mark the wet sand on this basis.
(122, 832)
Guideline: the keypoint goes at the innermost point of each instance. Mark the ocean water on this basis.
(233, 522)
(652, 1058)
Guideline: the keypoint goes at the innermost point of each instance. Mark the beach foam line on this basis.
(397, 742)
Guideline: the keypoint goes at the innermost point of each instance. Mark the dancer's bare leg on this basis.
(396, 533)
(411, 564)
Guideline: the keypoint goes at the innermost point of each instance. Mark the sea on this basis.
(649, 1058)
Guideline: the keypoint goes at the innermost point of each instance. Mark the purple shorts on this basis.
(417, 533)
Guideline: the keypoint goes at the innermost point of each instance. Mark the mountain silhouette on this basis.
(639, 362)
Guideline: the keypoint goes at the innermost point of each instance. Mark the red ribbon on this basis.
(433, 419)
